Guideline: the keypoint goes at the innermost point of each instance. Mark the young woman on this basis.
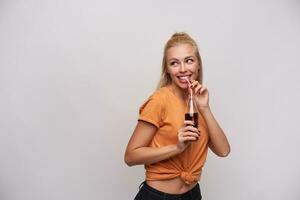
(173, 149)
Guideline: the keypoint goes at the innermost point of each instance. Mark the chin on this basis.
(182, 86)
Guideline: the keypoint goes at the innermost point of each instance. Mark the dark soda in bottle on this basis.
(193, 117)
(192, 114)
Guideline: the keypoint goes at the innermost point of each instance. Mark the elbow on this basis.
(224, 153)
(128, 161)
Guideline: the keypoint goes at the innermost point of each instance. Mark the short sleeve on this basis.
(152, 111)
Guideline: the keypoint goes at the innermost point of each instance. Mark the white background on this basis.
(74, 73)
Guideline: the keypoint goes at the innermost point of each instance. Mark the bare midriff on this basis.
(171, 186)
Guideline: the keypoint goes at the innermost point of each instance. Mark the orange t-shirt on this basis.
(166, 111)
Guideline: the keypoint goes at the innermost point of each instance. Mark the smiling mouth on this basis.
(184, 78)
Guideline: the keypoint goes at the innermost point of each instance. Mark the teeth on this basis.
(183, 77)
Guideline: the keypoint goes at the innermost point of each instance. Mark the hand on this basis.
(201, 95)
(186, 134)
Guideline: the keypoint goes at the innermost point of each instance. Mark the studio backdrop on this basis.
(74, 73)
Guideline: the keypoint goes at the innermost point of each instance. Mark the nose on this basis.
(182, 67)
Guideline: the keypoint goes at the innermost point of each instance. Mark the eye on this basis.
(173, 63)
(190, 61)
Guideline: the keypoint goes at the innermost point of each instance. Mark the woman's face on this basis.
(182, 63)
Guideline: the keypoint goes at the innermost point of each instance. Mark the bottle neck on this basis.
(191, 105)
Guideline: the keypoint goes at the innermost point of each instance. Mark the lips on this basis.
(183, 78)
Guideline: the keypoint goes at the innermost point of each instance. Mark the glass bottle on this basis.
(192, 113)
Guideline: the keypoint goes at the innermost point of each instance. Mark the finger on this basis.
(180, 132)
(190, 128)
(190, 134)
(188, 122)
(195, 83)
(185, 139)
(203, 89)
(197, 89)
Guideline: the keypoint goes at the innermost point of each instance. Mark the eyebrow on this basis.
(175, 59)
(189, 57)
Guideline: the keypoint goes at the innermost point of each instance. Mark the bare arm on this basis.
(138, 152)
(218, 142)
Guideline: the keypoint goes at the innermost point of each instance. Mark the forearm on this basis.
(218, 141)
(149, 155)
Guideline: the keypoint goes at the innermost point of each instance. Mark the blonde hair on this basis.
(177, 39)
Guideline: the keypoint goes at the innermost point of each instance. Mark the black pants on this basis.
(148, 193)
